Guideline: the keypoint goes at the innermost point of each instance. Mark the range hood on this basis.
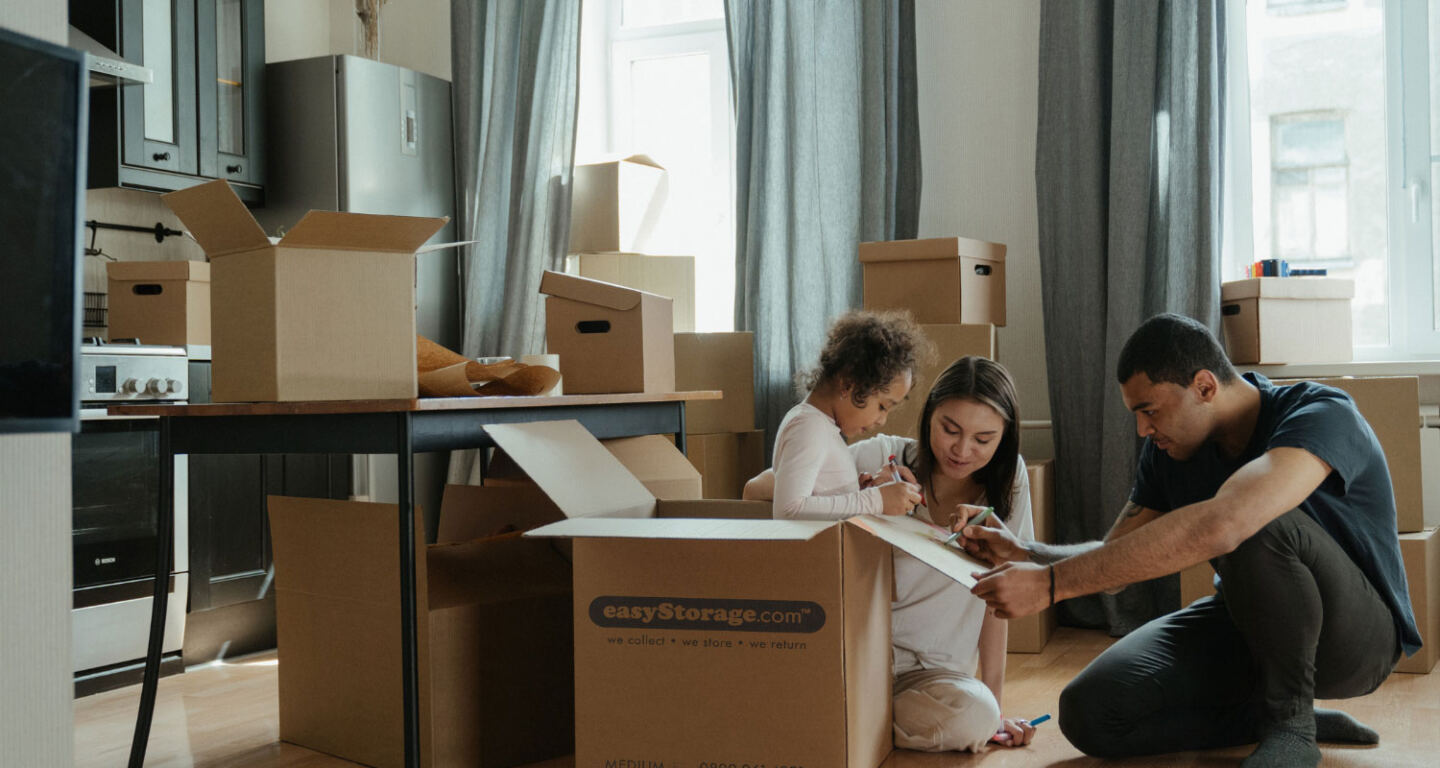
(106, 66)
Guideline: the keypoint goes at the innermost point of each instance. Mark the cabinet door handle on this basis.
(161, 156)
(232, 168)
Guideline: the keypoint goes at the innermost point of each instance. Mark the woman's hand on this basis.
(990, 541)
(899, 498)
(1014, 732)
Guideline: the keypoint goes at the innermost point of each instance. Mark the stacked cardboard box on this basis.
(954, 287)
(615, 209)
(609, 338)
(1030, 634)
(1287, 319)
(720, 436)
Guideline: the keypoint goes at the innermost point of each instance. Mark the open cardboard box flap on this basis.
(362, 232)
(924, 542)
(683, 528)
(215, 216)
(574, 469)
(931, 248)
(598, 292)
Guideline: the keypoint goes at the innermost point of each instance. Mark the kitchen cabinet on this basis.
(201, 116)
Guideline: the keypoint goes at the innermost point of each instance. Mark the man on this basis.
(1286, 492)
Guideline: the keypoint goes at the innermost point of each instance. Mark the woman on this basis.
(949, 651)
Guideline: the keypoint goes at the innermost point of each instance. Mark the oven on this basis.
(115, 485)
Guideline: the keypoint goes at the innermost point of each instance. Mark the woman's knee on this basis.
(944, 717)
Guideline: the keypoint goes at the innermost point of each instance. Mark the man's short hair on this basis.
(1173, 348)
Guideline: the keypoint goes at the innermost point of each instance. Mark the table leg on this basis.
(409, 659)
(680, 433)
(164, 536)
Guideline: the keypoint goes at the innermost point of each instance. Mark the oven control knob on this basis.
(155, 387)
(173, 386)
(130, 386)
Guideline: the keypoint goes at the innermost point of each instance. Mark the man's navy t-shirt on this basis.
(1355, 504)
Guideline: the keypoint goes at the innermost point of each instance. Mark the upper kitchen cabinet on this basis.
(200, 116)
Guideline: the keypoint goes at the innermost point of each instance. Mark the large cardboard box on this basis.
(1030, 634)
(727, 640)
(1287, 319)
(328, 313)
(1421, 552)
(159, 302)
(1391, 404)
(494, 640)
(671, 276)
(616, 204)
(952, 342)
(723, 361)
(654, 461)
(940, 280)
(726, 460)
(609, 338)
(1430, 475)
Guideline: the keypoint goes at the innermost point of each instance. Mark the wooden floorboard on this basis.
(225, 716)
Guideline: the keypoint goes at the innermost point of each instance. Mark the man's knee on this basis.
(1091, 715)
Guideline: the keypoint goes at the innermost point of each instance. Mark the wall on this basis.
(413, 33)
(978, 69)
(36, 719)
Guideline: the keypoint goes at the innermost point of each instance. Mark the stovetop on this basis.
(125, 371)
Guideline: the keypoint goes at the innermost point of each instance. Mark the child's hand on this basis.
(899, 498)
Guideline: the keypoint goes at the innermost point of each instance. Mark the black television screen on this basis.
(44, 100)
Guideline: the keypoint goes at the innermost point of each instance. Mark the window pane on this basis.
(1317, 106)
(646, 13)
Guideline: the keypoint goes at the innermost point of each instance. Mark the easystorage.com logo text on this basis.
(707, 613)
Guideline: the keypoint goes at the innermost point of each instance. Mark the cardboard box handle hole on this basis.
(982, 269)
(1229, 310)
(593, 326)
(147, 289)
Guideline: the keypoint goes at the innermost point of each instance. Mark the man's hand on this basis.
(990, 541)
(1014, 590)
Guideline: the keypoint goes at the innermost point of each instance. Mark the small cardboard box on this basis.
(1030, 634)
(947, 280)
(726, 460)
(723, 361)
(1421, 552)
(670, 276)
(159, 302)
(728, 640)
(1268, 320)
(609, 338)
(952, 342)
(616, 204)
(494, 639)
(1391, 404)
(328, 313)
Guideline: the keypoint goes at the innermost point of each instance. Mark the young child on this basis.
(866, 368)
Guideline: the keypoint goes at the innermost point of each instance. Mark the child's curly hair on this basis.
(866, 351)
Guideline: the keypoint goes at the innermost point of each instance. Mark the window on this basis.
(655, 80)
(1329, 145)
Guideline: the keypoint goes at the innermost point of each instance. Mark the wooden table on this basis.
(401, 427)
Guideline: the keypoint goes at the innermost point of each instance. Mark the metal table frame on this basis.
(403, 433)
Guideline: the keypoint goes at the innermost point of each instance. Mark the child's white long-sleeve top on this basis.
(815, 475)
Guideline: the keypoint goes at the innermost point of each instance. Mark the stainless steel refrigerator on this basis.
(346, 133)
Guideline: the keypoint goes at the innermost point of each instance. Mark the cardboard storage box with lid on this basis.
(1421, 552)
(669, 276)
(940, 280)
(327, 313)
(1287, 319)
(494, 645)
(609, 338)
(1391, 405)
(159, 302)
(749, 641)
(616, 204)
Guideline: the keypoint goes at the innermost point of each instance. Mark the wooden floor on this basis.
(225, 715)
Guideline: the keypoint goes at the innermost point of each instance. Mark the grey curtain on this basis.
(827, 156)
(516, 72)
(1127, 173)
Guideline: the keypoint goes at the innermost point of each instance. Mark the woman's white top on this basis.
(935, 621)
(815, 477)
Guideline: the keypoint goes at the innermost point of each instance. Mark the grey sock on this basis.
(1334, 725)
(1288, 744)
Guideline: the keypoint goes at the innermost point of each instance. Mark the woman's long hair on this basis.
(987, 382)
